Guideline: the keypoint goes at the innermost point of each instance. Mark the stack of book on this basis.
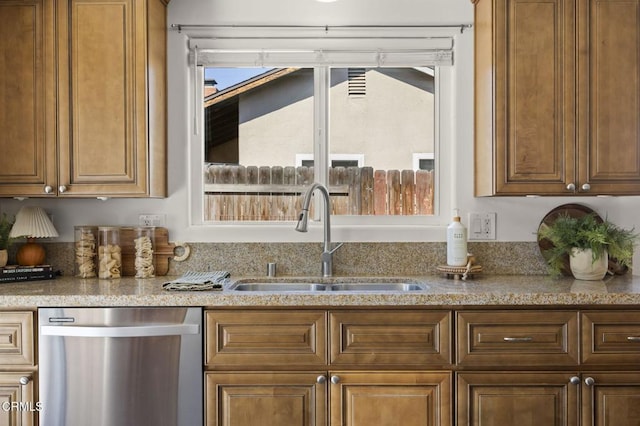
(26, 273)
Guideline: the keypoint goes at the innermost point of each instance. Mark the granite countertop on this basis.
(498, 290)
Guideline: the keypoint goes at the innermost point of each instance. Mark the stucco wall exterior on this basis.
(391, 122)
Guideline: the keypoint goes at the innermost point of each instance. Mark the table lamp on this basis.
(32, 222)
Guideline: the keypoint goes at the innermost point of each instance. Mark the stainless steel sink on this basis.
(367, 286)
(271, 286)
(378, 287)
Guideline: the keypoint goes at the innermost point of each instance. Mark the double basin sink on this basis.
(330, 284)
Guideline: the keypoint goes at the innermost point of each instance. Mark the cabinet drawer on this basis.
(16, 339)
(258, 339)
(611, 337)
(517, 338)
(390, 338)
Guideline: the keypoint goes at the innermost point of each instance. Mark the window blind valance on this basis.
(229, 46)
(336, 58)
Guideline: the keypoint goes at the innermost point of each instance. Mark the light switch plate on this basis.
(482, 226)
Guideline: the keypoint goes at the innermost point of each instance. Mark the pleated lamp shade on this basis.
(32, 222)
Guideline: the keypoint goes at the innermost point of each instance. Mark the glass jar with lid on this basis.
(109, 252)
(86, 242)
(144, 246)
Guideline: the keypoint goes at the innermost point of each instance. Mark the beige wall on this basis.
(397, 111)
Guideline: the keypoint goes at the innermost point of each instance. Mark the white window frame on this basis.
(344, 228)
(417, 156)
(333, 157)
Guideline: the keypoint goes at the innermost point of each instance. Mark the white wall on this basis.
(518, 218)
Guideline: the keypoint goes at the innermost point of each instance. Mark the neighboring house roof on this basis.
(246, 85)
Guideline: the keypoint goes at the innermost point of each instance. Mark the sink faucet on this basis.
(327, 252)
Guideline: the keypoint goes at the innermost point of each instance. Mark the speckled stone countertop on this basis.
(499, 290)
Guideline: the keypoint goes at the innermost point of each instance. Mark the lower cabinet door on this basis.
(520, 399)
(390, 398)
(611, 399)
(265, 399)
(17, 404)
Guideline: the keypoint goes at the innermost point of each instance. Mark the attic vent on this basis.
(357, 81)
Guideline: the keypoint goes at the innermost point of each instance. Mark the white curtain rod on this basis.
(325, 28)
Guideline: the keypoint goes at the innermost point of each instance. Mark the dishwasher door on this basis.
(120, 366)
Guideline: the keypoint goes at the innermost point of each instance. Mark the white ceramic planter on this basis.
(583, 267)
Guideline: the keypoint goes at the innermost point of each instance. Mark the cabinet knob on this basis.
(571, 187)
(62, 188)
(335, 379)
(586, 187)
(575, 380)
(48, 189)
(24, 380)
(321, 379)
(589, 381)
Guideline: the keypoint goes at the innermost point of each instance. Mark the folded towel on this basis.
(199, 281)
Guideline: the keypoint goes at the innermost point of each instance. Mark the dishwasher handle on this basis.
(125, 331)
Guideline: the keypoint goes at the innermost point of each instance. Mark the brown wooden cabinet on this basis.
(368, 398)
(389, 339)
(516, 398)
(18, 401)
(611, 338)
(522, 367)
(518, 339)
(265, 339)
(423, 367)
(557, 95)
(610, 399)
(27, 96)
(93, 97)
(379, 371)
(266, 399)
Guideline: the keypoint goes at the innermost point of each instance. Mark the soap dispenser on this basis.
(456, 242)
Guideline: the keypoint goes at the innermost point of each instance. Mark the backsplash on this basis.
(352, 259)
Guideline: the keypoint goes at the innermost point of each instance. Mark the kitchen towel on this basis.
(190, 281)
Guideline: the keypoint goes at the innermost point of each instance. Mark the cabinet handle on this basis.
(48, 189)
(575, 380)
(589, 381)
(571, 187)
(62, 188)
(586, 187)
(321, 379)
(335, 379)
(517, 339)
(24, 380)
(633, 338)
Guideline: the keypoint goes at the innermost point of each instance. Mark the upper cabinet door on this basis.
(83, 98)
(557, 97)
(103, 139)
(525, 103)
(27, 98)
(609, 96)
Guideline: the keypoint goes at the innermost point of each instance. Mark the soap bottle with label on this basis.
(456, 242)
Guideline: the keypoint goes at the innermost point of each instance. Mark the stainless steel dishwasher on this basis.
(120, 366)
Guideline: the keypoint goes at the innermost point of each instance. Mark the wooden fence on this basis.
(274, 193)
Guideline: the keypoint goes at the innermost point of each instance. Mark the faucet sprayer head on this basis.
(303, 220)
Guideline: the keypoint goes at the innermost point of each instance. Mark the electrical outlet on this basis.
(151, 220)
(482, 226)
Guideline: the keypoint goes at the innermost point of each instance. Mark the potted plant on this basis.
(6, 222)
(588, 241)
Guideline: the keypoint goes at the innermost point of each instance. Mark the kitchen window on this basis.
(260, 135)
